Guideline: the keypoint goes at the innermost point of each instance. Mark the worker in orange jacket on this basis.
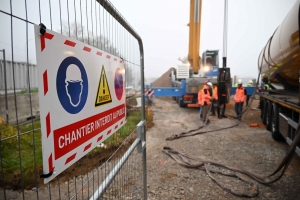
(239, 98)
(204, 100)
(199, 103)
(218, 105)
(200, 99)
(215, 103)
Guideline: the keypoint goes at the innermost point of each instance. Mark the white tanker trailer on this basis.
(279, 65)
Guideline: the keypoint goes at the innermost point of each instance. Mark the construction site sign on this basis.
(103, 94)
(78, 109)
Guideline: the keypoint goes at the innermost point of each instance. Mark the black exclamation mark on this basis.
(103, 83)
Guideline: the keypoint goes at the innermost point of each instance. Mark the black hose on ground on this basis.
(251, 177)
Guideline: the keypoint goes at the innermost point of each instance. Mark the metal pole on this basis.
(143, 117)
(105, 184)
(269, 68)
(27, 79)
(145, 167)
(27, 69)
(115, 14)
(5, 87)
(225, 34)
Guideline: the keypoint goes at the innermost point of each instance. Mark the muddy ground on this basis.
(243, 146)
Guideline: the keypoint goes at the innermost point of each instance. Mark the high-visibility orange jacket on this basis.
(215, 93)
(199, 97)
(239, 95)
(202, 97)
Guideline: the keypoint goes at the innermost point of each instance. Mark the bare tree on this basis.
(78, 32)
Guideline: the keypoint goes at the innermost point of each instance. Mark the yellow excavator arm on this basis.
(194, 35)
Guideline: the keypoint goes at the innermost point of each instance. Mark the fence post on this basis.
(5, 87)
(141, 133)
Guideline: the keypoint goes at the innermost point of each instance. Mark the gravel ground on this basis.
(243, 146)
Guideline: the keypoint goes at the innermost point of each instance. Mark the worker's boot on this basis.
(207, 122)
(201, 116)
(223, 115)
(219, 116)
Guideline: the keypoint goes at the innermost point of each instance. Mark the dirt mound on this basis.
(164, 80)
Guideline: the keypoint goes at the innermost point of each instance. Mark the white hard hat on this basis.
(240, 81)
(250, 81)
(73, 73)
(209, 83)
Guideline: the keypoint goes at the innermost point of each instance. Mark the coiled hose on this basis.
(251, 177)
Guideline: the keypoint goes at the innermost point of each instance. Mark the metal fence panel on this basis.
(121, 159)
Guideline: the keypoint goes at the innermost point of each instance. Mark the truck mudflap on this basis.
(192, 105)
(190, 100)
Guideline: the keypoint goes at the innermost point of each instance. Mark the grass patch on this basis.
(133, 118)
(22, 155)
(31, 91)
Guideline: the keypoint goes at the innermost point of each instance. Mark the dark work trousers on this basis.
(206, 109)
(239, 109)
(215, 105)
(201, 110)
(247, 100)
(223, 109)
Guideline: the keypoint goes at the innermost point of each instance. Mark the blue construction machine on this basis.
(189, 83)
(189, 76)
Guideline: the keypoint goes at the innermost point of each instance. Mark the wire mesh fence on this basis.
(96, 23)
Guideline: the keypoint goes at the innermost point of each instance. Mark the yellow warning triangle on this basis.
(103, 94)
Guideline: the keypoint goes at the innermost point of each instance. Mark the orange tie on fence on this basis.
(149, 112)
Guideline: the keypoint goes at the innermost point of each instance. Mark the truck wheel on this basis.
(181, 104)
(275, 124)
(261, 103)
(264, 111)
(268, 115)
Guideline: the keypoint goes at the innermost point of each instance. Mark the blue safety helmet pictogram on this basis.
(72, 85)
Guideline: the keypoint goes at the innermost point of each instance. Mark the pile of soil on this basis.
(131, 102)
(131, 105)
(164, 80)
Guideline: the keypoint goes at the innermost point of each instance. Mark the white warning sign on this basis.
(80, 103)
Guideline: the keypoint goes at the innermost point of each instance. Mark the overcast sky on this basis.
(162, 24)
